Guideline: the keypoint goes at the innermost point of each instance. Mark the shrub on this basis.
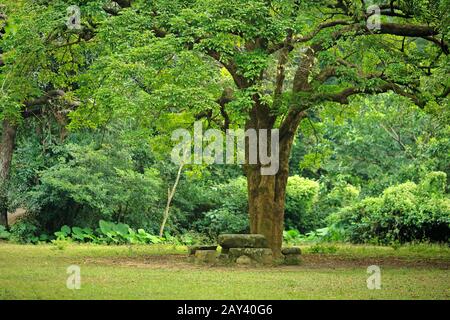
(319, 235)
(25, 231)
(4, 234)
(224, 220)
(301, 195)
(343, 194)
(292, 236)
(83, 234)
(340, 195)
(434, 183)
(91, 183)
(106, 233)
(229, 213)
(403, 213)
(193, 238)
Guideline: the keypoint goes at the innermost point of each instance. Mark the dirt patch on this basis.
(309, 261)
(167, 261)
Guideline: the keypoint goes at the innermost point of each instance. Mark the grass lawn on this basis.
(163, 272)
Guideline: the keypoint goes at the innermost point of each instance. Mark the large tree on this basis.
(286, 57)
(260, 64)
(40, 58)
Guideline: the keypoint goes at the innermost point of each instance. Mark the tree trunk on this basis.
(267, 193)
(170, 194)
(266, 213)
(266, 199)
(6, 153)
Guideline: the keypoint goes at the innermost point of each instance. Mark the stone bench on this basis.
(205, 256)
(242, 249)
(292, 255)
(228, 241)
(202, 253)
(193, 249)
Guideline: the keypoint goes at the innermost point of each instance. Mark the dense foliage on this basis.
(402, 213)
(87, 115)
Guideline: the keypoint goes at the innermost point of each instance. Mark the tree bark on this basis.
(267, 193)
(266, 198)
(265, 212)
(6, 152)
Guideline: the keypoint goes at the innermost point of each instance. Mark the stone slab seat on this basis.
(193, 249)
(258, 255)
(291, 250)
(206, 256)
(292, 259)
(292, 255)
(228, 241)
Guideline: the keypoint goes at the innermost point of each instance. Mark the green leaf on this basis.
(65, 230)
(105, 226)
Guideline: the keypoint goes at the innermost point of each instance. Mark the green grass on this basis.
(407, 252)
(163, 272)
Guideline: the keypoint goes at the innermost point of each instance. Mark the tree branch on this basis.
(34, 107)
(325, 74)
(407, 30)
(227, 96)
(342, 97)
(398, 29)
(239, 80)
(311, 35)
